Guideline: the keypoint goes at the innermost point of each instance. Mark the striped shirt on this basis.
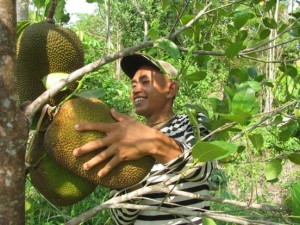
(180, 129)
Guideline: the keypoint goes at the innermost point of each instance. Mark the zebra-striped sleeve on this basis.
(181, 130)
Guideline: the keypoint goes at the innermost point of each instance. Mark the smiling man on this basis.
(167, 137)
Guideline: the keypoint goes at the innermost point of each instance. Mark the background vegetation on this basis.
(239, 64)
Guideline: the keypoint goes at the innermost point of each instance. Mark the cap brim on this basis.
(130, 64)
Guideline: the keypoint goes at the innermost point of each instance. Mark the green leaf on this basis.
(193, 120)
(263, 34)
(269, 5)
(295, 158)
(228, 146)
(153, 34)
(218, 105)
(196, 76)
(197, 109)
(273, 169)
(21, 26)
(169, 46)
(208, 221)
(60, 11)
(233, 117)
(98, 93)
(282, 27)
(295, 198)
(295, 32)
(257, 140)
(242, 35)
(244, 99)
(241, 19)
(233, 49)
(288, 70)
(252, 84)
(252, 72)
(270, 23)
(39, 3)
(206, 151)
(239, 75)
(201, 60)
(208, 46)
(53, 79)
(229, 95)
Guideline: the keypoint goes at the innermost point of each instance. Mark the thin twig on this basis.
(273, 61)
(264, 49)
(289, 28)
(265, 118)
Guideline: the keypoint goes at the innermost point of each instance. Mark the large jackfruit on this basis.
(54, 182)
(61, 139)
(44, 48)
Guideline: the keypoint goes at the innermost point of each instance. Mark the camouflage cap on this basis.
(130, 64)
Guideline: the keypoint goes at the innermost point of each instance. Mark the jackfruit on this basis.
(44, 48)
(58, 185)
(61, 139)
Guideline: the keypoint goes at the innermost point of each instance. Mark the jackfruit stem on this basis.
(51, 11)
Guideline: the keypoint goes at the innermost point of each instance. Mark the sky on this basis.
(79, 6)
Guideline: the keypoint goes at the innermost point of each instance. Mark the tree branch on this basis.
(264, 49)
(267, 61)
(163, 187)
(289, 28)
(31, 109)
(186, 211)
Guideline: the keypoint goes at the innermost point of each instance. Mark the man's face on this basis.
(150, 90)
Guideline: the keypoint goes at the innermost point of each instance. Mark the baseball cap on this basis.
(131, 63)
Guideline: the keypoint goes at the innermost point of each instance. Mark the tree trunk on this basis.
(271, 67)
(22, 10)
(13, 124)
(107, 21)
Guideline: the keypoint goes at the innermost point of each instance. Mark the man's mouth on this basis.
(139, 99)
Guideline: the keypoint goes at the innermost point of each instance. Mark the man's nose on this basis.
(137, 88)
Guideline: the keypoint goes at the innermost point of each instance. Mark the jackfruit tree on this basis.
(227, 52)
(13, 125)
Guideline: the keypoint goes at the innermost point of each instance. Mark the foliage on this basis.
(225, 60)
(40, 211)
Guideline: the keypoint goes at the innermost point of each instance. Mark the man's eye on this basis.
(145, 81)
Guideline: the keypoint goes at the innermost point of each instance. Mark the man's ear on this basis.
(173, 89)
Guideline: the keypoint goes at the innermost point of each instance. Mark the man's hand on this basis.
(127, 139)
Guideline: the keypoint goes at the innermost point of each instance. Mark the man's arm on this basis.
(128, 139)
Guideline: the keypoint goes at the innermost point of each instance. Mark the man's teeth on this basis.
(139, 99)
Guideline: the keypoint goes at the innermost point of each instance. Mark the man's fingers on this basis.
(109, 166)
(119, 116)
(109, 152)
(102, 127)
(92, 146)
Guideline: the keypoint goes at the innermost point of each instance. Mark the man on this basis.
(166, 137)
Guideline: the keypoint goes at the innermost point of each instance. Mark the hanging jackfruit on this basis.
(61, 139)
(58, 185)
(44, 48)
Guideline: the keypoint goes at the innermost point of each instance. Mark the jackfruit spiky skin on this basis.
(45, 48)
(61, 139)
(54, 182)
